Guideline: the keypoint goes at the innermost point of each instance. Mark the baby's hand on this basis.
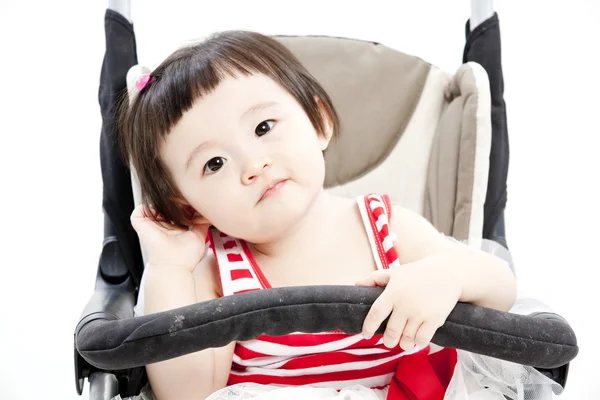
(174, 247)
(419, 299)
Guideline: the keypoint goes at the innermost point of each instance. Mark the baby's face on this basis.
(245, 137)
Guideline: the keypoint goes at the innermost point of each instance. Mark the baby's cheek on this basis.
(304, 148)
(310, 165)
(226, 213)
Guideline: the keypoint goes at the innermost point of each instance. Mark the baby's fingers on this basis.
(138, 211)
(377, 278)
(146, 220)
(381, 308)
(138, 216)
(410, 333)
(142, 211)
(394, 329)
(425, 333)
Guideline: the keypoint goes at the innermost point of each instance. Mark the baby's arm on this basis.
(196, 375)
(486, 280)
(435, 275)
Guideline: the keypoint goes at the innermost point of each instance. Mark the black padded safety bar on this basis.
(113, 344)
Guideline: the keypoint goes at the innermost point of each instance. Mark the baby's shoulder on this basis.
(207, 279)
(416, 236)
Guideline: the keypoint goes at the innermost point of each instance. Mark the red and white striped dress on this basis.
(331, 359)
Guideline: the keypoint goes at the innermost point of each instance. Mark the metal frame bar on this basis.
(480, 11)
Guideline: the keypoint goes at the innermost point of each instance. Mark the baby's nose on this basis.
(254, 169)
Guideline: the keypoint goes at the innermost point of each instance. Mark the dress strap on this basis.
(376, 212)
(237, 269)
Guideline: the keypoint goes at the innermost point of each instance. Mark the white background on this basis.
(50, 58)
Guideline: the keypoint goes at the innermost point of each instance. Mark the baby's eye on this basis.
(264, 127)
(214, 164)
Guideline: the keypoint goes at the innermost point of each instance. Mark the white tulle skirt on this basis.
(263, 392)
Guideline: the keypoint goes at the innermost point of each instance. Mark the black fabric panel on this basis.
(117, 197)
(531, 340)
(483, 46)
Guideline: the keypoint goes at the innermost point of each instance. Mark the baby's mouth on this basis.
(272, 189)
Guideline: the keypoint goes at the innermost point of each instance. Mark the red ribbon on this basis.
(423, 376)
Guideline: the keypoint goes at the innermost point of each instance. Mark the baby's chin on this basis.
(274, 217)
(269, 227)
(266, 231)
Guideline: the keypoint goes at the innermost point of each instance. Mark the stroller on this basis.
(441, 150)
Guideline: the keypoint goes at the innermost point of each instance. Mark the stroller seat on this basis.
(409, 129)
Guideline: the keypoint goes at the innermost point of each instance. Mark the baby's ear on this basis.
(186, 210)
(326, 118)
(191, 216)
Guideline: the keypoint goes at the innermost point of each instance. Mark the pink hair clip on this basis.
(142, 81)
